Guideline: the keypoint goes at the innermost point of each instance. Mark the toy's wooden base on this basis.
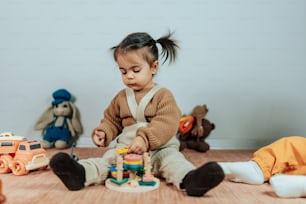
(127, 187)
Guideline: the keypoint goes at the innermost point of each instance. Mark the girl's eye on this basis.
(65, 106)
(136, 70)
(123, 71)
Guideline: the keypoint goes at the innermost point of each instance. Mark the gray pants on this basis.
(167, 161)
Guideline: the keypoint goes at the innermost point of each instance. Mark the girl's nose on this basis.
(130, 75)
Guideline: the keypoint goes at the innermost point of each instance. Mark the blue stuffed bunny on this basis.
(60, 123)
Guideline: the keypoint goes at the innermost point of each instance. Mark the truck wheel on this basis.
(18, 168)
(4, 168)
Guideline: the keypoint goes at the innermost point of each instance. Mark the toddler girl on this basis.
(143, 117)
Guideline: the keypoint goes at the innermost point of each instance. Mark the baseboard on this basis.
(238, 143)
(235, 143)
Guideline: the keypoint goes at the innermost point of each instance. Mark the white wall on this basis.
(244, 59)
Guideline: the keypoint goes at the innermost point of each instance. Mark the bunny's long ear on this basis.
(45, 119)
(76, 124)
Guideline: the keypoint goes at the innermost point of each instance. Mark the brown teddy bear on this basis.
(194, 129)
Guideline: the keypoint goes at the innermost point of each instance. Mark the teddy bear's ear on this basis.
(205, 107)
(212, 126)
(199, 111)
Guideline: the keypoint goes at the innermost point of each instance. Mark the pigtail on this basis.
(169, 47)
(140, 40)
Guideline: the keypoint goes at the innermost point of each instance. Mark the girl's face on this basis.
(136, 72)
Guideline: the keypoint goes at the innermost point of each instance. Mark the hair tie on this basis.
(152, 42)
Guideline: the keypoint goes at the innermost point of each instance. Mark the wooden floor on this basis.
(45, 187)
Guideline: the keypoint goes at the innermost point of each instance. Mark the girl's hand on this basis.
(99, 138)
(138, 146)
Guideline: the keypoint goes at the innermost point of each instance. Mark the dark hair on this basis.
(140, 40)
